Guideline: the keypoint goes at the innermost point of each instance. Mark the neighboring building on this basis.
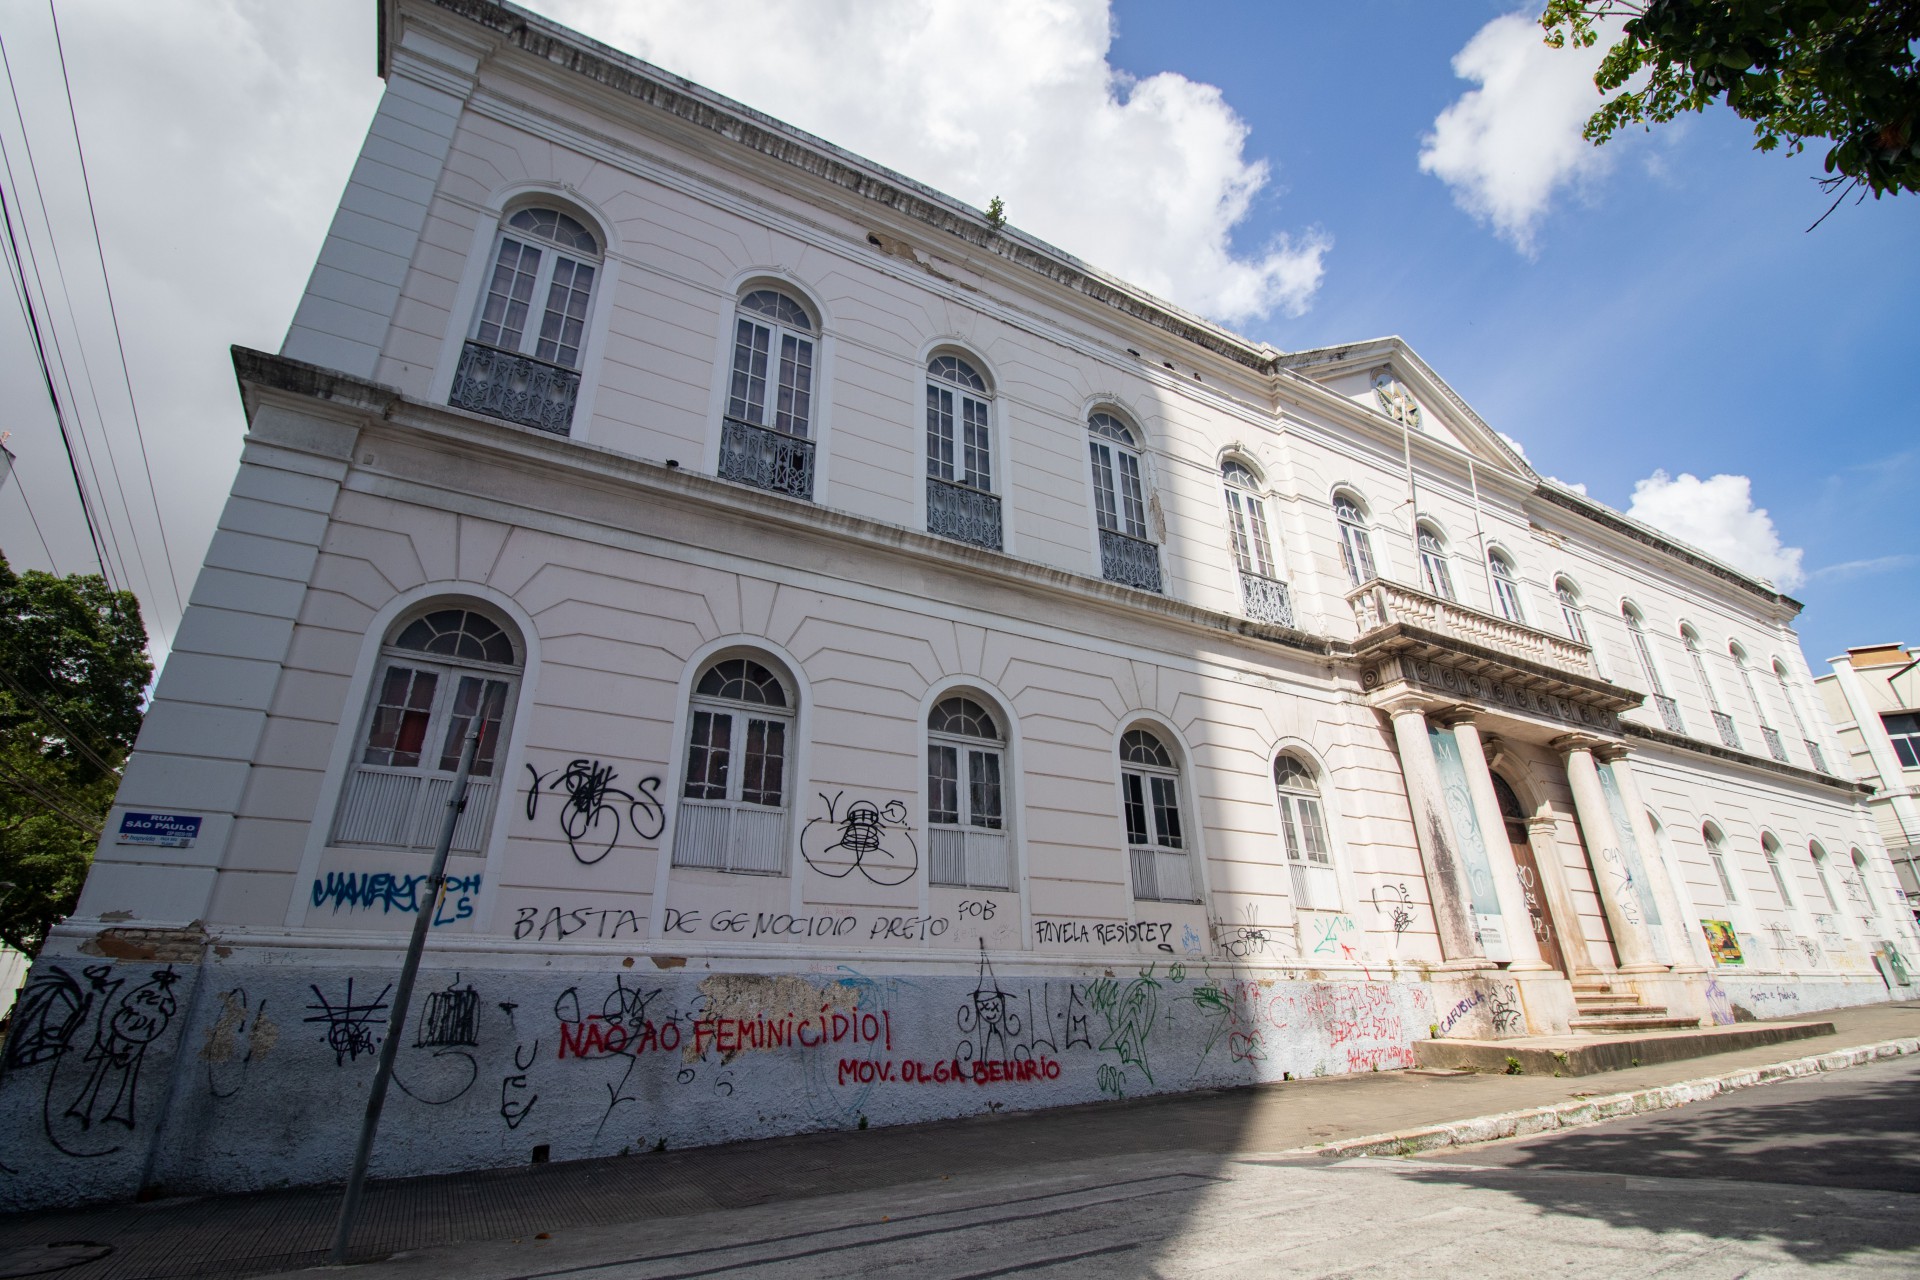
(919, 673)
(1873, 696)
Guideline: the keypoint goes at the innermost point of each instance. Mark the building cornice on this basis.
(1692, 746)
(266, 378)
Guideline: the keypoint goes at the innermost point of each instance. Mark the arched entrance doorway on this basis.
(1528, 869)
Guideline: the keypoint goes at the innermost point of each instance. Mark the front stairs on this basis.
(1600, 1008)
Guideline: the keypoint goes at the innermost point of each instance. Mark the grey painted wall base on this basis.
(250, 1070)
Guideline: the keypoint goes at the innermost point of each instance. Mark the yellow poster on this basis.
(1721, 942)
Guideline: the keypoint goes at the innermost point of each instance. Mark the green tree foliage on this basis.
(73, 667)
(1840, 70)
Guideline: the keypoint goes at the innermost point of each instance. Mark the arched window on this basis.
(1717, 854)
(1506, 587)
(521, 360)
(735, 799)
(1859, 886)
(960, 501)
(1650, 671)
(1767, 731)
(1434, 574)
(1793, 707)
(966, 811)
(1266, 596)
(764, 440)
(1156, 838)
(1572, 614)
(439, 671)
(1770, 847)
(1356, 547)
(1722, 722)
(1819, 857)
(772, 383)
(1120, 504)
(1304, 828)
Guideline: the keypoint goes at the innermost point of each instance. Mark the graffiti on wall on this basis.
(862, 836)
(593, 811)
(391, 892)
(350, 1025)
(1395, 904)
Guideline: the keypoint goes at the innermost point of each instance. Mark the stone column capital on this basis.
(1569, 743)
(1452, 716)
(1612, 751)
(1399, 702)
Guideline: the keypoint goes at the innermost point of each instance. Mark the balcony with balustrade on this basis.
(1396, 620)
(963, 513)
(1775, 747)
(515, 388)
(1728, 734)
(1131, 562)
(770, 460)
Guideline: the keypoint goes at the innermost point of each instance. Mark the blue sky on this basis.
(1676, 314)
(1657, 307)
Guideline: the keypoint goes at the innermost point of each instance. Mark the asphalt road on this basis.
(1812, 1176)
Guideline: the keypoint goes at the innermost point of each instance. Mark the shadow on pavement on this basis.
(1788, 1144)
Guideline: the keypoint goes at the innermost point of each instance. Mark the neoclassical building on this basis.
(916, 674)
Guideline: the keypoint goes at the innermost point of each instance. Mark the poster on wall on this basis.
(1722, 945)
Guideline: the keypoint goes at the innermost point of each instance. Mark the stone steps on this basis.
(1585, 1055)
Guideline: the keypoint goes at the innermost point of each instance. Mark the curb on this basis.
(1591, 1111)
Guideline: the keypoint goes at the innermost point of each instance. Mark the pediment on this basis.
(1387, 378)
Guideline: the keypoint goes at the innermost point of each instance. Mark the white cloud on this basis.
(1718, 517)
(1849, 569)
(1508, 146)
(1146, 179)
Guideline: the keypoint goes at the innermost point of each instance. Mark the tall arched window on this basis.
(966, 810)
(1793, 706)
(1120, 504)
(1356, 547)
(1650, 671)
(1156, 837)
(1575, 617)
(439, 670)
(1819, 857)
(1859, 887)
(522, 359)
(1767, 731)
(764, 438)
(735, 799)
(1435, 577)
(1303, 826)
(1506, 587)
(1770, 848)
(1267, 598)
(960, 501)
(1717, 855)
(1722, 722)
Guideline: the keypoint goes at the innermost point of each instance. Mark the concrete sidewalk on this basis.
(278, 1231)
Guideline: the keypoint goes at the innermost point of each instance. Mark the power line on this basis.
(57, 803)
(80, 347)
(54, 722)
(59, 417)
(22, 489)
(126, 374)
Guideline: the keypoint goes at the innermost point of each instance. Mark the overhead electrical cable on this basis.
(54, 722)
(80, 347)
(59, 416)
(22, 489)
(173, 578)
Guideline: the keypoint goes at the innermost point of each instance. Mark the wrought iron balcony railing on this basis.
(1131, 562)
(1775, 747)
(1267, 599)
(770, 460)
(505, 384)
(962, 513)
(1728, 734)
(1379, 603)
(1814, 754)
(1669, 713)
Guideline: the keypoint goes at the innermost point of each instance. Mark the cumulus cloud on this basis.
(1507, 147)
(1718, 517)
(1147, 179)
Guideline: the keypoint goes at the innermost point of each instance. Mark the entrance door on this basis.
(1528, 869)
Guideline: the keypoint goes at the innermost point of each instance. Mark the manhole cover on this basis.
(39, 1259)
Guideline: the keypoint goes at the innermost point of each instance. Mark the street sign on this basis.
(173, 830)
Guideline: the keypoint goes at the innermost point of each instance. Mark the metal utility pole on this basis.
(396, 1021)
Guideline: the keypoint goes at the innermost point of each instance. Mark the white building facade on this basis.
(1872, 694)
(919, 675)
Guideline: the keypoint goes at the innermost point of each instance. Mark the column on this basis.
(1617, 899)
(1522, 945)
(1446, 876)
(1674, 911)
